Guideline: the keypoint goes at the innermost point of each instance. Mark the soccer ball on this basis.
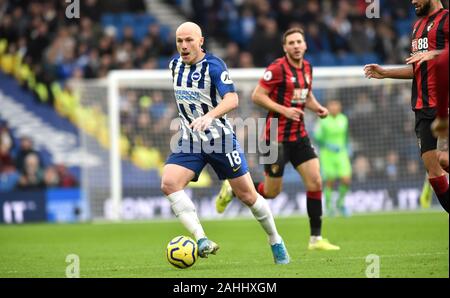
(182, 252)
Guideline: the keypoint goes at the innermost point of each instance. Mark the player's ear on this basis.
(202, 40)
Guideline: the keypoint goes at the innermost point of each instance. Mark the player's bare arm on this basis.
(313, 105)
(261, 97)
(419, 58)
(375, 71)
(229, 102)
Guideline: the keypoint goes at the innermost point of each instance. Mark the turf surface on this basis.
(408, 244)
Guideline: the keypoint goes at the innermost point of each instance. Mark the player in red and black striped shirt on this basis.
(285, 91)
(429, 38)
(288, 86)
(439, 126)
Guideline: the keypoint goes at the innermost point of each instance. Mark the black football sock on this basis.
(314, 209)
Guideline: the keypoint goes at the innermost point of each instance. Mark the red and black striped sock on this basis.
(440, 187)
(314, 209)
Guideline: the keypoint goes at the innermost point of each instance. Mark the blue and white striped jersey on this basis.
(198, 89)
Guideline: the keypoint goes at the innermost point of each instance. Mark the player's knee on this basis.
(247, 197)
(314, 183)
(168, 186)
(165, 188)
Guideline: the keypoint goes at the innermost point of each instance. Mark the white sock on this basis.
(184, 209)
(314, 239)
(262, 213)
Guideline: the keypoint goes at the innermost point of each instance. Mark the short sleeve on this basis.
(220, 77)
(272, 77)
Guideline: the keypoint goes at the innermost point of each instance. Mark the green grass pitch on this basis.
(408, 244)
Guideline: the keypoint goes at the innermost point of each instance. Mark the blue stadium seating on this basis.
(312, 58)
(140, 31)
(163, 62)
(108, 19)
(348, 59)
(127, 19)
(327, 59)
(403, 27)
(145, 20)
(368, 58)
(139, 23)
(165, 32)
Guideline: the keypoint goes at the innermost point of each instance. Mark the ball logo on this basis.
(267, 75)
(225, 78)
(196, 76)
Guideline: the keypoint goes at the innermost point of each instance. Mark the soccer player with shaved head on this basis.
(204, 94)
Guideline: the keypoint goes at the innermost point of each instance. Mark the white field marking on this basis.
(250, 217)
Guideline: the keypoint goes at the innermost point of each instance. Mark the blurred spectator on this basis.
(232, 55)
(392, 163)
(268, 34)
(9, 176)
(6, 144)
(142, 128)
(246, 60)
(286, 14)
(359, 41)
(38, 40)
(32, 175)
(91, 9)
(316, 40)
(66, 179)
(412, 167)
(158, 107)
(361, 168)
(26, 148)
(7, 30)
(51, 178)
(386, 43)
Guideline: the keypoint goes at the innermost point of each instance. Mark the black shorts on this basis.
(295, 152)
(425, 138)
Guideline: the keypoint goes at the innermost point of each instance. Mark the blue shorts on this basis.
(227, 165)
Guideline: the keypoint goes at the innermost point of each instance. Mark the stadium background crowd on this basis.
(43, 49)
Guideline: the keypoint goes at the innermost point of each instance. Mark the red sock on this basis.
(315, 195)
(439, 184)
(440, 187)
(260, 189)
